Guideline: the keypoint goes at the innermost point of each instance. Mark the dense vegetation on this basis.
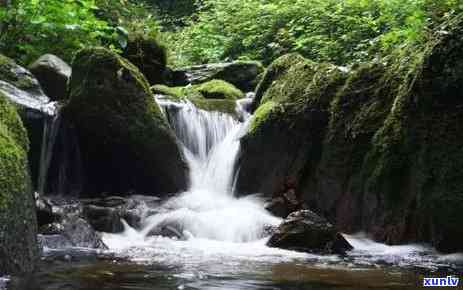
(203, 31)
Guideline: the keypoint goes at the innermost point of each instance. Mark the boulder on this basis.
(18, 222)
(53, 74)
(344, 134)
(305, 231)
(126, 143)
(149, 56)
(245, 75)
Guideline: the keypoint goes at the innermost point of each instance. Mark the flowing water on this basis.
(218, 240)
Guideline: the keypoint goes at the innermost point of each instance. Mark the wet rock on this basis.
(242, 74)
(44, 210)
(71, 231)
(305, 231)
(168, 229)
(106, 214)
(126, 143)
(53, 74)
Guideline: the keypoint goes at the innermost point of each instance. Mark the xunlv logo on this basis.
(449, 281)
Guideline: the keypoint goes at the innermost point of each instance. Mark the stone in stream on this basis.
(245, 75)
(305, 231)
(126, 143)
(53, 74)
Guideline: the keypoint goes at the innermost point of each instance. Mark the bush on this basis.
(341, 32)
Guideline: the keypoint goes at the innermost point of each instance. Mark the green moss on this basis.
(214, 95)
(175, 92)
(261, 116)
(218, 89)
(13, 153)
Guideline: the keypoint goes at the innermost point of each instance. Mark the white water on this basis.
(208, 210)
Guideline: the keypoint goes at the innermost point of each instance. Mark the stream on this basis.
(218, 241)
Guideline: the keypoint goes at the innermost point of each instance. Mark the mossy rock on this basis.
(21, 78)
(288, 126)
(376, 148)
(215, 95)
(149, 55)
(18, 224)
(127, 145)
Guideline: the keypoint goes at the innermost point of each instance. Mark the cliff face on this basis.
(375, 148)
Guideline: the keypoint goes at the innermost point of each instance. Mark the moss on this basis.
(18, 224)
(176, 92)
(218, 89)
(261, 116)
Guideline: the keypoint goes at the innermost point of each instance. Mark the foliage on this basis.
(323, 30)
(30, 28)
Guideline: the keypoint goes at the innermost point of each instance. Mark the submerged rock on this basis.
(345, 135)
(242, 74)
(53, 74)
(18, 222)
(305, 231)
(126, 143)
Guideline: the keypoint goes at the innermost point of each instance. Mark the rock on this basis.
(242, 74)
(126, 144)
(18, 222)
(106, 215)
(53, 74)
(44, 210)
(305, 231)
(149, 56)
(73, 231)
(22, 88)
(352, 130)
(104, 219)
(215, 96)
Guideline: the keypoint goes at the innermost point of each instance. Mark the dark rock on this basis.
(53, 74)
(307, 232)
(149, 56)
(103, 219)
(18, 220)
(242, 74)
(126, 143)
(44, 211)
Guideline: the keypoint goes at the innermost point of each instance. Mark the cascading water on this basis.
(208, 210)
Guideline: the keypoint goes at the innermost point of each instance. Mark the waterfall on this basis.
(208, 209)
(61, 169)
